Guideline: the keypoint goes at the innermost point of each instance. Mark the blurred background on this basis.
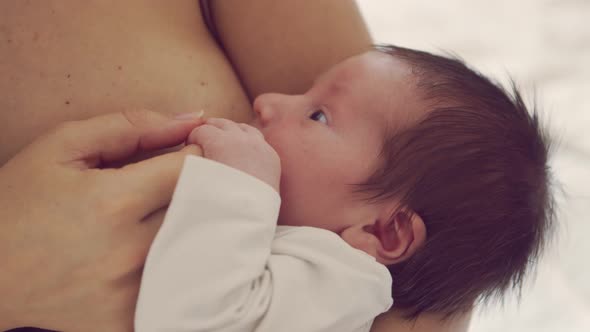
(545, 46)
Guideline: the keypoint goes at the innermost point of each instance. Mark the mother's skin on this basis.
(66, 60)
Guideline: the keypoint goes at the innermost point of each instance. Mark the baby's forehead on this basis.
(368, 67)
(387, 87)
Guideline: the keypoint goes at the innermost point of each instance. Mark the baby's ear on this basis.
(399, 235)
(391, 239)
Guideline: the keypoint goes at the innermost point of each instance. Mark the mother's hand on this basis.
(73, 234)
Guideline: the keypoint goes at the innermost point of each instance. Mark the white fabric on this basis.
(219, 263)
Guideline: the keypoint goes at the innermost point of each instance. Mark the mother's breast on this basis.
(64, 60)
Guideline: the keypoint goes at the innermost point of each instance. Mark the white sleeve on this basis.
(217, 265)
(322, 284)
(210, 253)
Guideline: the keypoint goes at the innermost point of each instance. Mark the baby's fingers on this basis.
(224, 124)
(203, 134)
(251, 130)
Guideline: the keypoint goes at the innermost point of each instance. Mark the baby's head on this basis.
(422, 163)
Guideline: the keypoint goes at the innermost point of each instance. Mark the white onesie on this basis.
(220, 263)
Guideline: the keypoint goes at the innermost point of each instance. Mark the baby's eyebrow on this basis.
(332, 86)
(337, 88)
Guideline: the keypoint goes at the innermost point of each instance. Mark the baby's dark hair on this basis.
(474, 168)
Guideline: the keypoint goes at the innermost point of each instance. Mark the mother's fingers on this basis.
(111, 137)
(151, 182)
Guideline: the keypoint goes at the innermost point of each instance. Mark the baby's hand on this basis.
(240, 146)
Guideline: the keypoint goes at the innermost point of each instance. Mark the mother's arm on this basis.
(282, 46)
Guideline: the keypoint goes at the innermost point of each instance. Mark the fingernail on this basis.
(190, 116)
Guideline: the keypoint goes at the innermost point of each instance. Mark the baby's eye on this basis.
(320, 116)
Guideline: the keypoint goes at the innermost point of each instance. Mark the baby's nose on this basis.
(265, 108)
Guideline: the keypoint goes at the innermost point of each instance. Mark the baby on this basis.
(402, 175)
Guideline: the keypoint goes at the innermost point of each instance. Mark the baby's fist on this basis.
(240, 146)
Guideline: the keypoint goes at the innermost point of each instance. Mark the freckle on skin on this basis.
(120, 67)
(36, 36)
(67, 102)
(68, 76)
(203, 83)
